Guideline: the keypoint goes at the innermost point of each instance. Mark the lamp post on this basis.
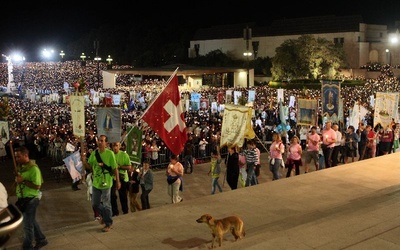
(62, 54)
(388, 58)
(109, 61)
(98, 59)
(247, 54)
(83, 63)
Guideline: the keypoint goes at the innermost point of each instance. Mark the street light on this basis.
(247, 54)
(388, 57)
(47, 54)
(98, 59)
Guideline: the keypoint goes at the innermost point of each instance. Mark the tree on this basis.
(307, 58)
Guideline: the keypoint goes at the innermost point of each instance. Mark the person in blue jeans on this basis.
(215, 170)
(276, 150)
(29, 180)
(251, 160)
(188, 152)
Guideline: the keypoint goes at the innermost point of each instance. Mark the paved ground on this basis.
(353, 206)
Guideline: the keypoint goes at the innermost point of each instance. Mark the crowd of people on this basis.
(40, 121)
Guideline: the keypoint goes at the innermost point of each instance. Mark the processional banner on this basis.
(307, 112)
(330, 91)
(386, 108)
(236, 125)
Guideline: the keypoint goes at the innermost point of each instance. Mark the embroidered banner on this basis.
(386, 108)
(236, 125)
(330, 91)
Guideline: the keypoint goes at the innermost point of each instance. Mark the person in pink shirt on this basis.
(328, 143)
(312, 152)
(294, 157)
(276, 150)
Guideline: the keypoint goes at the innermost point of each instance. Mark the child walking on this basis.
(215, 170)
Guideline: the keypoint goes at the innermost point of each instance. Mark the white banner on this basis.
(236, 125)
(78, 114)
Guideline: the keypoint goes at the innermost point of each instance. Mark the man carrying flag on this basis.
(165, 116)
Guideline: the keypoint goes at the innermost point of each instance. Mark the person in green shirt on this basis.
(124, 165)
(103, 165)
(29, 180)
(215, 170)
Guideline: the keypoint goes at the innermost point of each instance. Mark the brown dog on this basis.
(221, 226)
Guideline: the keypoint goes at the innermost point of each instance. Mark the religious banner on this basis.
(280, 95)
(77, 103)
(195, 101)
(214, 107)
(236, 125)
(307, 112)
(358, 113)
(204, 104)
(4, 131)
(134, 144)
(386, 108)
(330, 91)
(109, 123)
(228, 99)
(74, 165)
(116, 100)
(236, 96)
(251, 96)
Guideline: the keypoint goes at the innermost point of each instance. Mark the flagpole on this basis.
(154, 99)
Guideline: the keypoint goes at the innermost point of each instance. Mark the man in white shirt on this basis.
(336, 148)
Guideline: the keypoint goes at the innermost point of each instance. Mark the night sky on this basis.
(39, 24)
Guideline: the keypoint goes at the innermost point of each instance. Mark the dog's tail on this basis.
(242, 229)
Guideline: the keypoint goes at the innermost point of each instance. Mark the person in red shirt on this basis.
(371, 142)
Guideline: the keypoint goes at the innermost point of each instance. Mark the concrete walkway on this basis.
(352, 206)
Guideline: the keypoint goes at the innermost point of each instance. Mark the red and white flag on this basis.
(165, 116)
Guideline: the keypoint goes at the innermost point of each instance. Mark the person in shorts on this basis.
(312, 149)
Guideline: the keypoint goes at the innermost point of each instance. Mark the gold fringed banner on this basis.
(236, 125)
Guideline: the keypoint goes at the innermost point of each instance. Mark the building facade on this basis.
(363, 43)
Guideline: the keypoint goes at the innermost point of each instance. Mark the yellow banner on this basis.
(236, 125)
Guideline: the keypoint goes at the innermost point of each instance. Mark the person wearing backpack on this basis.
(215, 170)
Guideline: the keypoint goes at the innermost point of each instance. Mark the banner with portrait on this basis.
(109, 123)
(4, 131)
(133, 144)
(195, 101)
(386, 108)
(307, 112)
(330, 91)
